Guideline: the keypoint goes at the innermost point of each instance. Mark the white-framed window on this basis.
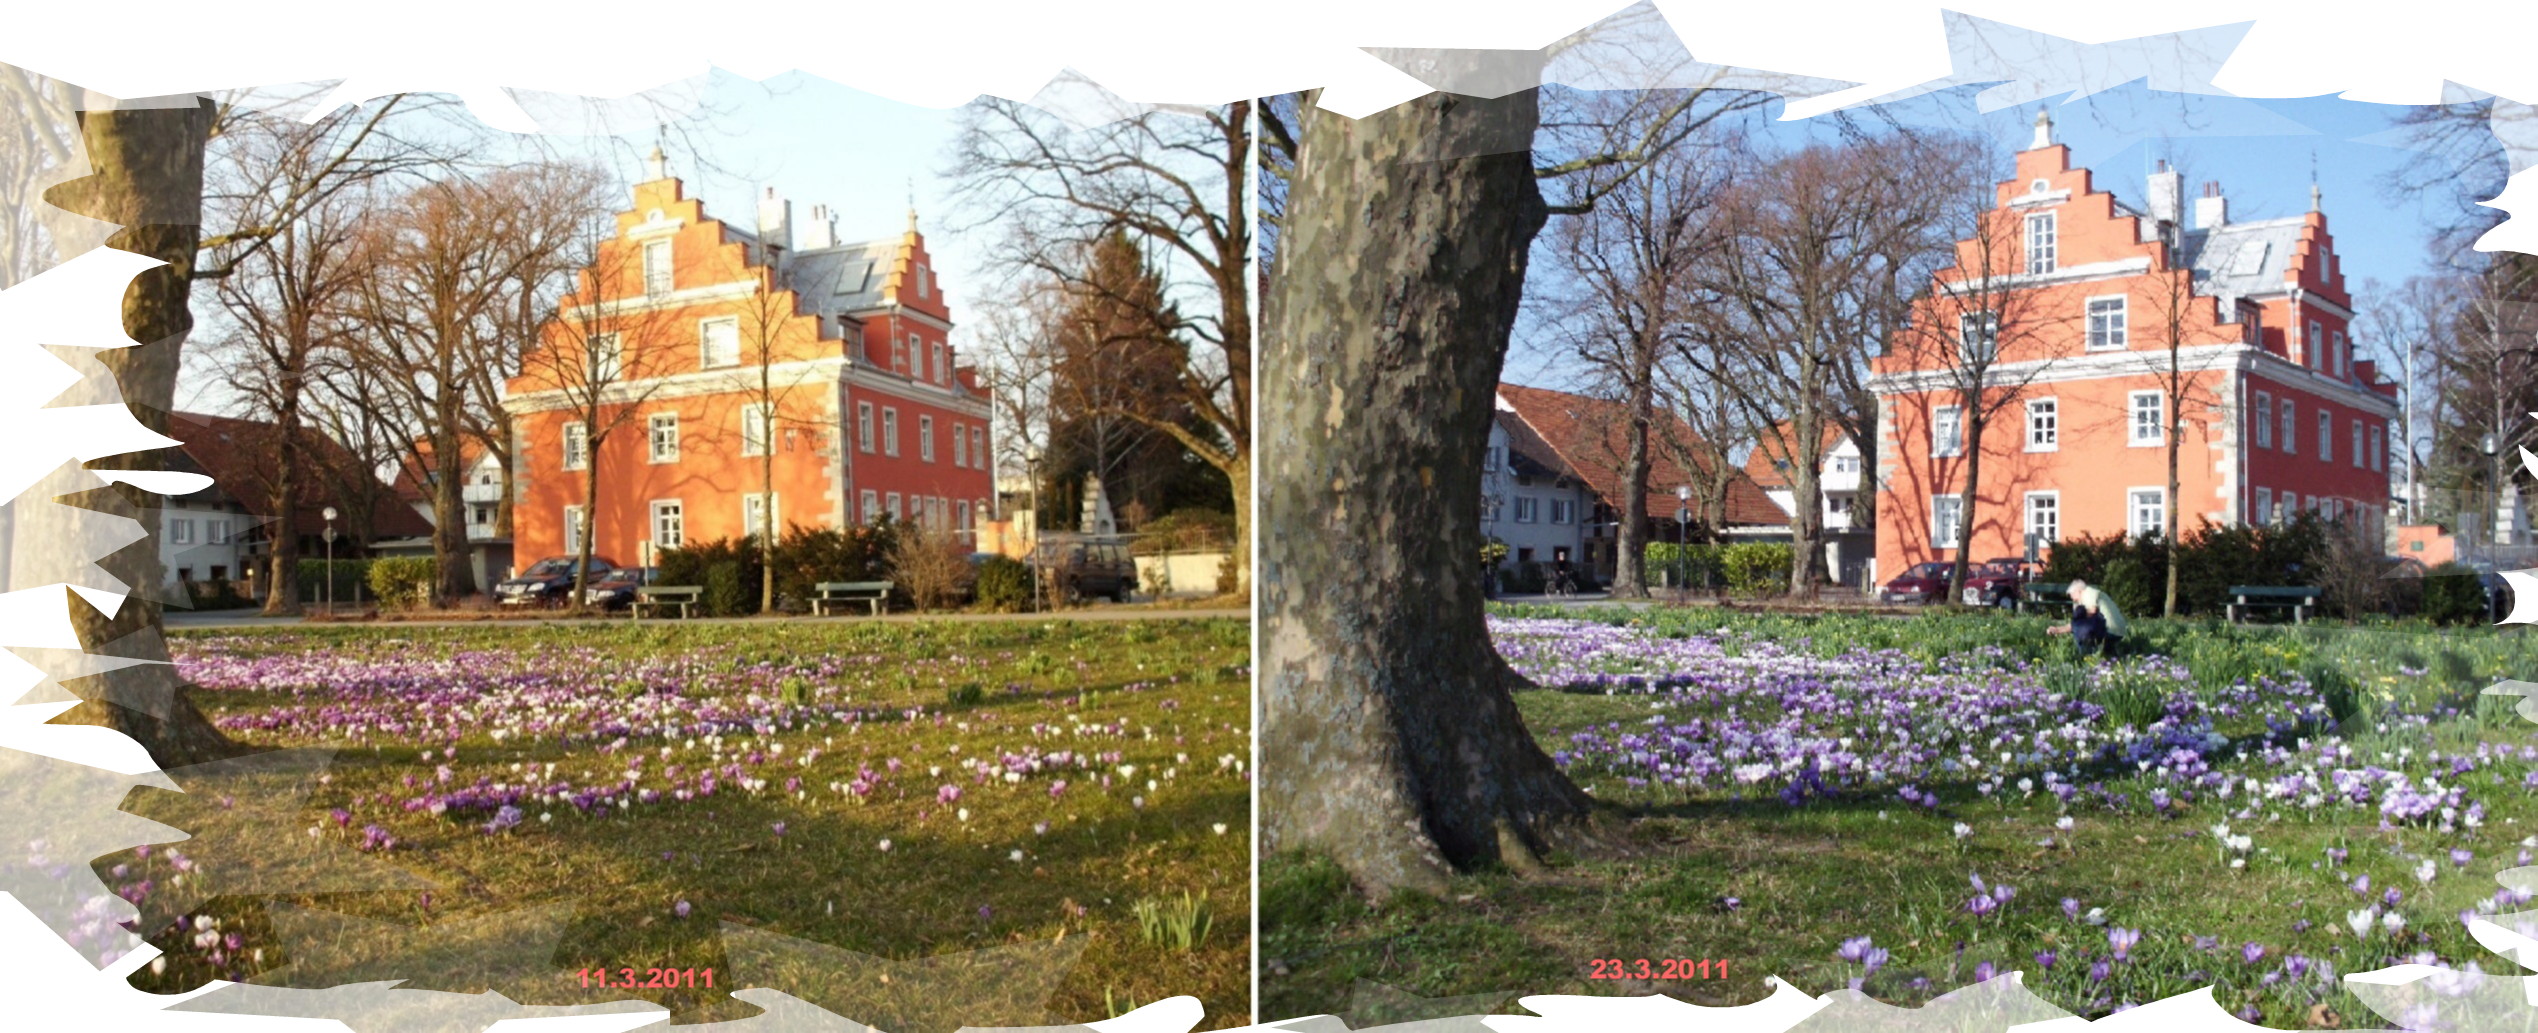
(1947, 431)
(2290, 429)
(1843, 463)
(607, 359)
(1978, 337)
(915, 354)
(2264, 422)
(718, 342)
(576, 446)
(754, 429)
(978, 447)
(576, 527)
(2149, 422)
(216, 532)
(664, 436)
(2326, 436)
(2287, 507)
(871, 505)
(2312, 346)
(1837, 504)
(1947, 513)
(2335, 350)
(2041, 243)
(925, 438)
(180, 530)
(2379, 449)
(863, 426)
(960, 445)
(890, 505)
(960, 515)
(1562, 511)
(2044, 515)
(942, 367)
(1528, 509)
(889, 431)
(656, 268)
(2147, 511)
(2044, 424)
(753, 514)
(2107, 319)
(2264, 506)
(2360, 446)
(922, 284)
(669, 524)
(1491, 506)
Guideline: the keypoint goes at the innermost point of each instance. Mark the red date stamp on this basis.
(647, 978)
(1657, 969)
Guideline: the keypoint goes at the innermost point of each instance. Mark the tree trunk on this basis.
(1806, 500)
(282, 589)
(148, 179)
(1390, 738)
(766, 485)
(1239, 473)
(455, 581)
(1630, 539)
(2176, 441)
(590, 515)
(1974, 424)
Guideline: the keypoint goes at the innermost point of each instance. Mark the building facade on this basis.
(2080, 297)
(1849, 544)
(731, 348)
(1530, 501)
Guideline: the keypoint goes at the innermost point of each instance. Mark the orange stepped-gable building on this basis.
(2279, 418)
(873, 413)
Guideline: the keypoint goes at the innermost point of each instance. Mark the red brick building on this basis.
(872, 412)
(2279, 416)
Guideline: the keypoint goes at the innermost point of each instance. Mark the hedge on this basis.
(402, 580)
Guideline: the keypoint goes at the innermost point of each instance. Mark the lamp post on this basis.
(1031, 469)
(329, 514)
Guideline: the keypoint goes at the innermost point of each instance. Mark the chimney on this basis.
(2165, 194)
(2211, 211)
(820, 230)
(775, 221)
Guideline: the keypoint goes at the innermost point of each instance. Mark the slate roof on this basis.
(844, 278)
(1587, 436)
(232, 452)
(2241, 258)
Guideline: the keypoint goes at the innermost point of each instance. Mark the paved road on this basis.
(251, 619)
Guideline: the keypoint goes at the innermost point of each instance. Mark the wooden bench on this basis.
(2047, 597)
(659, 597)
(2298, 600)
(840, 593)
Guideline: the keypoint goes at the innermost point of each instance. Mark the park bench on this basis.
(659, 597)
(840, 593)
(2046, 597)
(2297, 599)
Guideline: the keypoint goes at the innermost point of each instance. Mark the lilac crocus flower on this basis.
(2045, 959)
(2071, 908)
(2252, 952)
(680, 909)
(2122, 940)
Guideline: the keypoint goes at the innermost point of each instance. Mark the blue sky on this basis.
(2262, 152)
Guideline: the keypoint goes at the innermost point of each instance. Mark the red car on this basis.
(1998, 583)
(1927, 583)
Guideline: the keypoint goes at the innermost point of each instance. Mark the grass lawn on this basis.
(509, 805)
(1916, 804)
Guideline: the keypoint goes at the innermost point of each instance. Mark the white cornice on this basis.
(680, 298)
(2066, 274)
(721, 380)
(2199, 358)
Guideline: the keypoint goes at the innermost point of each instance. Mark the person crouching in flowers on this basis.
(2097, 624)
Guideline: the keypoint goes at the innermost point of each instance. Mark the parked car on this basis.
(1088, 569)
(1999, 582)
(548, 582)
(1926, 583)
(617, 590)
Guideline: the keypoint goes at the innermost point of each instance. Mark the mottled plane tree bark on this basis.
(1390, 739)
(147, 179)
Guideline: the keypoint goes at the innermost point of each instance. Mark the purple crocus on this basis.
(681, 908)
(2252, 952)
(2122, 940)
(2071, 908)
(2044, 959)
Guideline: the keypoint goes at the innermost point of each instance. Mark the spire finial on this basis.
(2313, 179)
(912, 227)
(657, 163)
(2044, 128)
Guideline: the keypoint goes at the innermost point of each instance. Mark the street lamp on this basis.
(329, 514)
